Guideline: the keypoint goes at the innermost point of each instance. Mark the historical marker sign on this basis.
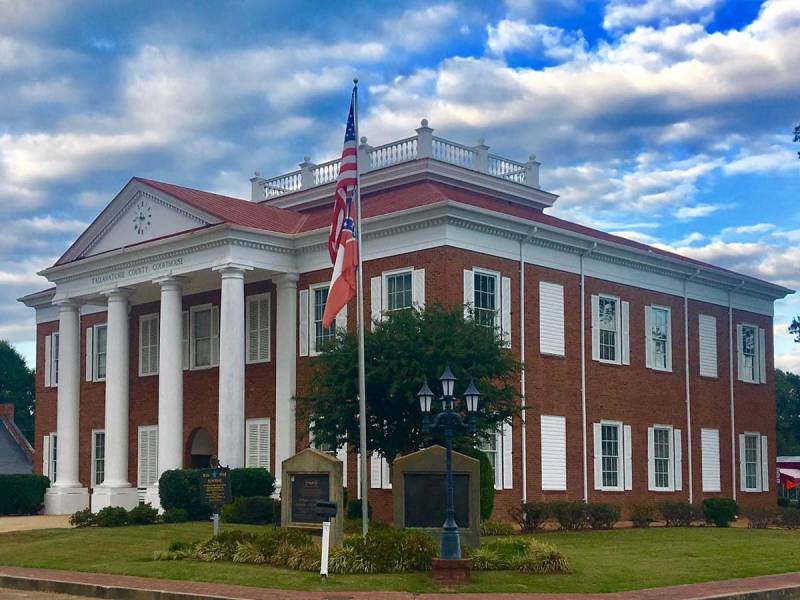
(307, 490)
(216, 487)
(425, 499)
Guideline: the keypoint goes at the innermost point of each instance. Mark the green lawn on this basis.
(602, 561)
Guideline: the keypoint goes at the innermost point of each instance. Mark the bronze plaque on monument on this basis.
(425, 499)
(307, 490)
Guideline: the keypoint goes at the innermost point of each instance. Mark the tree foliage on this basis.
(787, 397)
(400, 352)
(17, 387)
(794, 329)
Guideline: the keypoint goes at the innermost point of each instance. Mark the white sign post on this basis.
(326, 543)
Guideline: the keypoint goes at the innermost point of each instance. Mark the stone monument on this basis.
(418, 485)
(308, 477)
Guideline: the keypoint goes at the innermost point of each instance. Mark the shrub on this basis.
(347, 560)
(541, 558)
(530, 515)
(760, 517)
(602, 516)
(571, 516)
(790, 518)
(144, 514)
(720, 511)
(22, 494)
(417, 551)
(354, 510)
(642, 515)
(251, 482)
(182, 488)
(177, 551)
(222, 547)
(257, 510)
(82, 518)
(175, 515)
(486, 480)
(112, 516)
(517, 554)
(677, 513)
(382, 546)
(486, 558)
(496, 527)
(783, 502)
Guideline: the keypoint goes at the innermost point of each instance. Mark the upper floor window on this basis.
(751, 345)
(99, 345)
(610, 337)
(148, 344)
(486, 299)
(321, 334)
(609, 328)
(658, 338)
(204, 336)
(398, 291)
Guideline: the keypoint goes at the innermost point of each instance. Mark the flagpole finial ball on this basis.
(257, 173)
(306, 159)
(424, 122)
(363, 139)
(532, 157)
(355, 80)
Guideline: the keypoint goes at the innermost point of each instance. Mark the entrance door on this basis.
(200, 449)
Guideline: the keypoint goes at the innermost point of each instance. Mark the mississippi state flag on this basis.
(342, 240)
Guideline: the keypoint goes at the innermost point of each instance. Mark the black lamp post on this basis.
(449, 420)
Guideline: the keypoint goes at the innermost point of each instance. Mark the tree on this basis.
(17, 387)
(797, 136)
(400, 352)
(794, 329)
(787, 398)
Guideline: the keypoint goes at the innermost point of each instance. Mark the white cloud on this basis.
(624, 13)
(685, 213)
(417, 28)
(690, 239)
(775, 158)
(510, 36)
(747, 229)
(788, 361)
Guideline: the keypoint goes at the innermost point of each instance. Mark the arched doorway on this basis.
(200, 449)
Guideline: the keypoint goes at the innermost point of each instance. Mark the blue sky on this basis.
(667, 121)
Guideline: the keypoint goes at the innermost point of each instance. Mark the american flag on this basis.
(345, 183)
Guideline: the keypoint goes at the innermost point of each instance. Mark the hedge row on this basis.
(22, 494)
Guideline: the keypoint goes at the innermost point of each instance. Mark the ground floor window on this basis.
(610, 457)
(98, 457)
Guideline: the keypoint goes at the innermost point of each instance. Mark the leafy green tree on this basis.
(787, 396)
(17, 387)
(794, 329)
(400, 352)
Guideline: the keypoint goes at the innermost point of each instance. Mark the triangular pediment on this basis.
(138, 214)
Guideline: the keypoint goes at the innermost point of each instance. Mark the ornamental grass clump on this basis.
(496, 527)
(515, 554)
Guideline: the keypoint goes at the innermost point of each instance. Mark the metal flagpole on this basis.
(362, 403)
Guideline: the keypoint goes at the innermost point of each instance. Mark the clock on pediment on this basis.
(142, 216)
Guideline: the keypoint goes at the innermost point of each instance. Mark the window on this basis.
(661, 457)
(258, 328)
(610, 455)
(148, 345)
(609, 324)
(54, 363)
(489, 447)
(709, 445)
(486, 299)
(707, 327)
(148, 456)
(749, 343)
(554, 453)
(551, 318)
(98, 456)
(204, 336)
(751, 462)
(321, 336)
(497, 448)
(99, 352)
(398, 291)
(257, 446)
(380, 475)
(658, 351)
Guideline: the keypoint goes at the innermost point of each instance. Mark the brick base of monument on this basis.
(451, 572)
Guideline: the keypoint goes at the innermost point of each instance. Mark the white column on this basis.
(66, 495)
(170, 382)
(230, 442)
(285, 370)
(116, 490)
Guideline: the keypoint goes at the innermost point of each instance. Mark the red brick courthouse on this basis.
(181, 325)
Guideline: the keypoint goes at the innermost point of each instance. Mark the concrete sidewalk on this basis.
(28, 523)
(96, 585)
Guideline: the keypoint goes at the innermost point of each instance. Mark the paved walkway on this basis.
(34, 522)
(134, 588)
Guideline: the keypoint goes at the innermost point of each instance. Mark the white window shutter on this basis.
(265, 328)
(707, 326)
(669, 340)
(185, 339)
(551, 318)
(341, 454)
(341, 319)
(505, 317)
(741, 462)
(648, 338)
(89, 362)
(554, 452)
(508, 463)
(764, 463)
(358, 475)
(142, 448)
(303, 341)
(153, 458)
(375, 298)
(597, 431)
(386, 477)
(498, 459)
(215, 336)
(48, 358)
(762, 355)
(677, 462)
(626, 337)
(257, 445)
(709, 443)
(251, 319)
(469, 292)
(144, 348)
(251, 449)
(375, 471)
(628, 449)
(418, 287)
(651, 459)
(595, 327)
(739, 353)
(46, 456)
